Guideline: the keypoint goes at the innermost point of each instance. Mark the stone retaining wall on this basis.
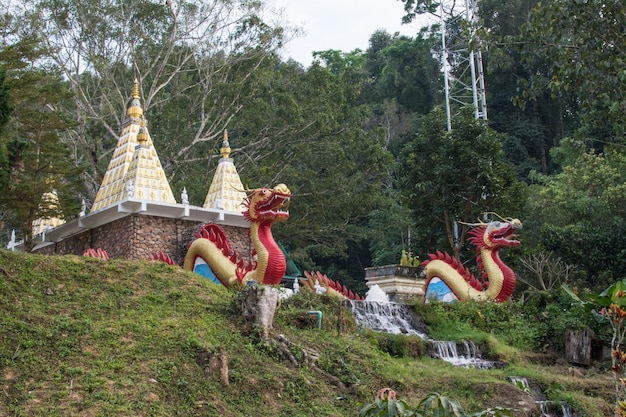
(139, 236)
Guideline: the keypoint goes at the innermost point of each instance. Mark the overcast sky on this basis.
(339, 24)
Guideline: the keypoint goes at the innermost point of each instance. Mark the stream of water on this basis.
(383, 316)
(378, 314)
(464, 353)
(547, 408)
(387, 317)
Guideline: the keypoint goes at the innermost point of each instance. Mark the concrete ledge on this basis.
(400, 283)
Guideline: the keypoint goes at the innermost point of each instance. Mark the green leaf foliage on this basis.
(455, 175)
(581, 43)
(578, 213)
(433, 405)
(38, 159)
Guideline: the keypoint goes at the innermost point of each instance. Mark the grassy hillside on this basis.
(83, 336)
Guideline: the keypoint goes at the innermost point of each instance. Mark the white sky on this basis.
(339, 24)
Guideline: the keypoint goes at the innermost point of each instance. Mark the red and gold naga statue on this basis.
(211, 256)
(316, 280)
(448, 280)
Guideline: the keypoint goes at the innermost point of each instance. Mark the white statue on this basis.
(184, 197)
(318, 288)
(12, 242)
(296, 286)
(83, 208)
(130, 189)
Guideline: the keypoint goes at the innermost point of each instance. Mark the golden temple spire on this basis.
(225, 149)
(135, 110)
(145, 179)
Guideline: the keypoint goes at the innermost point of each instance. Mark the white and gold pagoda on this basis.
(43, 224)
(134, 147)
(226, 191)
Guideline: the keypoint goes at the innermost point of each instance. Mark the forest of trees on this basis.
(359, 137)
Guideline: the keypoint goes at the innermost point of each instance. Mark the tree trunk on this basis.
(215, 364)
(578, 347)
(259, 307)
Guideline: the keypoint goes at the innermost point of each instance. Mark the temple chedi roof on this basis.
(135, 170)
(42, 224)
(226, 191)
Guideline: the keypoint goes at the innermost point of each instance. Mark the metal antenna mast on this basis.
(464, 82)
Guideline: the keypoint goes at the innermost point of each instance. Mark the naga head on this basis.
(267, 204)
(496, 234)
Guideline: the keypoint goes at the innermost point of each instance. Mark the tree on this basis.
(582, 44)
(537, 126)
(337, 61)
(450, 176)
(418, 7)
(579, 213)
(195, 60)
(316, 144)
(37, 161)
(5, 100)
(411, 73)
(403, 79)
(5, 112)
(390, 227)
(375, 59)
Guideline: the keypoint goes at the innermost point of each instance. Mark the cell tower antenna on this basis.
(464, 81)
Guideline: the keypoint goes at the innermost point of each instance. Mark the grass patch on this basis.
(83, 336)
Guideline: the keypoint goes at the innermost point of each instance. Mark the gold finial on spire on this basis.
(225, 149)
(142, 135)
(136, 89)
(135, 109)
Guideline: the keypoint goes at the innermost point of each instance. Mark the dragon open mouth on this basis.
(275, 204)
(503, 234)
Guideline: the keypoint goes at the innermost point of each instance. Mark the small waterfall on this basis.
(547, 408)
(387, 317)
(470, 356)
(521, 383)
(555, 409)
(399, 319)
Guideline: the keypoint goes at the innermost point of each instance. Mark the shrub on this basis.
(399, 345)
(387, 405)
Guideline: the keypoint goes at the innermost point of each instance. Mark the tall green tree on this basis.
(456, 175)
(5, 100)
(37, 161)
(391, 227)
(320, 149)
(196, 62)
(537, 126)
(582, 44)
(534, 121)
(579, 213)
(411, 74)
(5, 112)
